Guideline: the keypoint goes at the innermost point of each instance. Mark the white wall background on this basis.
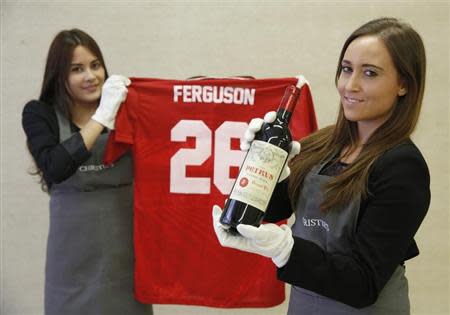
(179, 39)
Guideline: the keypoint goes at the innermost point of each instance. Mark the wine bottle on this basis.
(261, 168)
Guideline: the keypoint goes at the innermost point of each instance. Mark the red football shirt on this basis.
(184, 137)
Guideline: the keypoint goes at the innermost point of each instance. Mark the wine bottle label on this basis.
(259, 174)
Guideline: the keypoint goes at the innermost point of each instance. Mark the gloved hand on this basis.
(269, 240)
(114, 92)
(255, 126)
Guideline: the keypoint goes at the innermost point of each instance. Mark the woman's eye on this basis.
(96, 65)
(370, 73)
(346, 69)
(76, 69)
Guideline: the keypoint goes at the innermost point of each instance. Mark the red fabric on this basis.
(178, 258)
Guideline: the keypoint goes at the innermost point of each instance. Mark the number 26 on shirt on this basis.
(224, 156)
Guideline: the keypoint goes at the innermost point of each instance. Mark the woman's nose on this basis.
(89, 75)
(353, 83)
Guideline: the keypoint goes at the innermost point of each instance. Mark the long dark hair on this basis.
(408, 54)
(54, 90)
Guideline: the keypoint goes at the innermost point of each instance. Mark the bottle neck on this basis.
(284, 115)
(288, 103)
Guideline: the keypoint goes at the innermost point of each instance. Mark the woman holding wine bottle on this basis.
(359, 189)
(89, 263)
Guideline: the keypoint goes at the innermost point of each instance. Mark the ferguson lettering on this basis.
(213, 94)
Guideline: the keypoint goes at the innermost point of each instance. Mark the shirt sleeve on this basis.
(303, 120)
(56, 160)
(399, 200)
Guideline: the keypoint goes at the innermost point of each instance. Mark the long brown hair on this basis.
(54, 90)
(408, 54)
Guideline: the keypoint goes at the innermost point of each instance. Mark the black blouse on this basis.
(399, 186)
(57, 160)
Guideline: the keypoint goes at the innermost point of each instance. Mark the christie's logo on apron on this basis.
(316, 222)
(94, 168)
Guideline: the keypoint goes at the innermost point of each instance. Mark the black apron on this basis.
(334, 232)
(90, 259)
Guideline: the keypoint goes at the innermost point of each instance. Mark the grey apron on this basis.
(334, 232)
(89, 267)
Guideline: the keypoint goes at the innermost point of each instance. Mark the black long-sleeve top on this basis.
(57, 161)
(388, 220)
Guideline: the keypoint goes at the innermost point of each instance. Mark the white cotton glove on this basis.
(269, 240)
(254, 126)
(114, 92)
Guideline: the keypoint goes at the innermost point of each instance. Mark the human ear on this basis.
(402, 91)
